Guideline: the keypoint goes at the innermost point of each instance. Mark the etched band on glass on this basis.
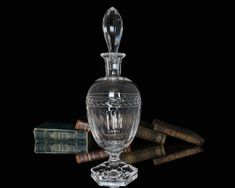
(123, 100)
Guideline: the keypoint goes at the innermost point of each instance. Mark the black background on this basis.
(169, 49)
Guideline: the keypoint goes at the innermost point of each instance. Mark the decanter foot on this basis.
(122, 175)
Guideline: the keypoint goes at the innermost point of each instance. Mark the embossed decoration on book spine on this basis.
(178, 132)
(59, 131)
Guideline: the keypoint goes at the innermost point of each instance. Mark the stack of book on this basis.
(157, 133)
(74, 139)
(60, 138)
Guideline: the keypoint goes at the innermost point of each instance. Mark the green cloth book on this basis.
(64, 147)
(59, 132)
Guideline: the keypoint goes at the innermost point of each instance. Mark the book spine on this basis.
(82, 125)
(45, 134)
(177, 132)
(91, 156)
(150, 135)
(177, 155)
(95, 155)
(142, 132)
(143, 154)
(59, 148)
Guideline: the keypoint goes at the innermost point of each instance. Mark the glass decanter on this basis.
(113, 109)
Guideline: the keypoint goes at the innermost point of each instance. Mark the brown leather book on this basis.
(143, 154)
(150, 135)
(95, 155)
(177, 132)
(142, 132)
(177, 155)
(82, 125)
(91, 156)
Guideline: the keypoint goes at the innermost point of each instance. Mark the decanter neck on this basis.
(113, 63)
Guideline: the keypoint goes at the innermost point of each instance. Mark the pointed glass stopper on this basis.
(112, 28)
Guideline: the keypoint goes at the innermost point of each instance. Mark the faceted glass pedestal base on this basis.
(121, 175)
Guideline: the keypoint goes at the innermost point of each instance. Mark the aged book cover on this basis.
(177, 132)
(150, 135)
(95, 155)
(60, 147)
(177, 155)
(143, 154)
(142, 132)
(59, 131)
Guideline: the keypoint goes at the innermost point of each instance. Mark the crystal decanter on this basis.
(113, 109)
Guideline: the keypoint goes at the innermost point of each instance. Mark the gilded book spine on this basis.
(177, 155)
(177, 132)
(143, 154)
(94, 155)
(57, 134)
(150, 135)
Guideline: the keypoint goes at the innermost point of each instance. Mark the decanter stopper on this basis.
(112, 28)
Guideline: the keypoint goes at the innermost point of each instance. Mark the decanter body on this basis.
(113, 110)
